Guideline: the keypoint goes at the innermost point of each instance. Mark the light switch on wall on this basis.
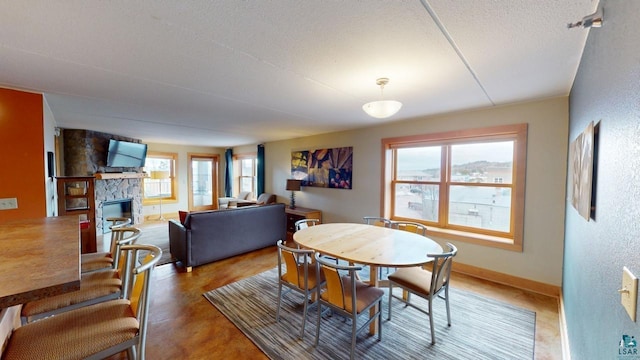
(629, 292)
(8, 204)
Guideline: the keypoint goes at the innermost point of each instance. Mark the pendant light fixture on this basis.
(383, 108)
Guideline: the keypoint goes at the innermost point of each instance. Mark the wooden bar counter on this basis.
(39, 258)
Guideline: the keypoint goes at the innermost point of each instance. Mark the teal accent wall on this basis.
(606, 90)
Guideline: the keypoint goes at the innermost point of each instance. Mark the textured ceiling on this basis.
(225, 73)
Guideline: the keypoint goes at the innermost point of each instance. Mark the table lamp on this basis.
(160, 175)
(293, 186)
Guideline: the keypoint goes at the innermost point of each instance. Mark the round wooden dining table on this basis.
(368, 245)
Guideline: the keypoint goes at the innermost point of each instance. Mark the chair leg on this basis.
(304, 313)
(446, 299)
(318, 322)
(433, 332)
(279, 300)
(354, 329)
(390, 299)
(131, 353)
(380, 320)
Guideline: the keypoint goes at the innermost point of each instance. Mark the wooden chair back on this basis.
(377, 221)
(410, 226)
(441, 269)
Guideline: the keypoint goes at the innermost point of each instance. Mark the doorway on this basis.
(203, 182)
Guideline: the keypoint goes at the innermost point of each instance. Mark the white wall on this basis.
(49, 125)
(541, 259)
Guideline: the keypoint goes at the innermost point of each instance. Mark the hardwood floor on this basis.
(184, 325)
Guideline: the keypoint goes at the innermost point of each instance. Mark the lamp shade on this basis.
(157, 175)
(382, 109)
(293, 185)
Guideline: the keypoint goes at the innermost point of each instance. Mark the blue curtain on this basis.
(228, 174)
(260, 170)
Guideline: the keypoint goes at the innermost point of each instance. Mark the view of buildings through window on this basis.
(475, 179)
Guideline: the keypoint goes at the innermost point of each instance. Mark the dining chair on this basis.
(97, 331)
(95, 287)
(104, 260)
(305, 223)
(348, 297)
(426, 284)
(117, 221)
(376, 220)
(409, 226)
(300, 276)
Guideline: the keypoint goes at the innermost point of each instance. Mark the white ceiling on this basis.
(235, 72)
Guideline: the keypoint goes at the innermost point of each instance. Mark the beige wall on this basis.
(541, 259)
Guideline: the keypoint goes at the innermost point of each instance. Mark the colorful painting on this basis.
(328, 168)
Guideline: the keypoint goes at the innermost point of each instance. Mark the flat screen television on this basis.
(126, 154)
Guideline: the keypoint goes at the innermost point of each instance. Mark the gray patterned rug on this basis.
(157, 235)
(481, 328)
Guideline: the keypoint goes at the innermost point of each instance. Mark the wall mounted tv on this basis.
(126, 154)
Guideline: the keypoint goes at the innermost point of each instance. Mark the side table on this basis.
(299, 213)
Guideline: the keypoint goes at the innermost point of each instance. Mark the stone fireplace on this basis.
(85, 154)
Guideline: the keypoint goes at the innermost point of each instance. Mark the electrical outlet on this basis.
(629, 292)
(8, 203)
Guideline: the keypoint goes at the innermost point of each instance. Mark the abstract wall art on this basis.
(582, 159)
(328, 168)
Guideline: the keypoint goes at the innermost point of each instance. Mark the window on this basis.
(465, 185)
(161, 183)
(245, 167)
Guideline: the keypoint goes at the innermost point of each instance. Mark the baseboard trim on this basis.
(564, 333)
(506, 279)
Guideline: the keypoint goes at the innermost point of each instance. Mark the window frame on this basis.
(512, 240)
(215, 159)
(173, 198)
(237, 160)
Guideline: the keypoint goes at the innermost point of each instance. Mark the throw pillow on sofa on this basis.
(266, 198)
(183, 216)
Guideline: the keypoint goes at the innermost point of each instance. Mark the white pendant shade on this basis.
(382, 109)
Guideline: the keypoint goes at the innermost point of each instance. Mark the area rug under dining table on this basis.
(482, 328)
